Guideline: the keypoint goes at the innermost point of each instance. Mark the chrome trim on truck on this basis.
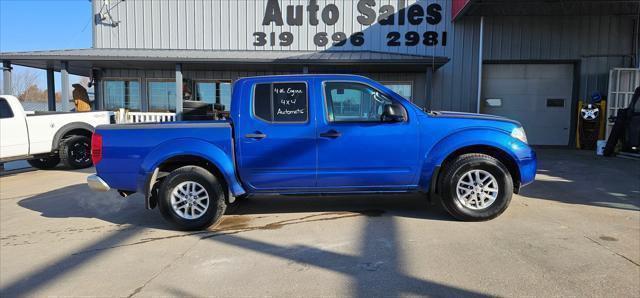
(97, 184)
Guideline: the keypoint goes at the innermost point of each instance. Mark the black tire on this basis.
(456, 169)
(75, 152)
(216, 203)
(45, 163)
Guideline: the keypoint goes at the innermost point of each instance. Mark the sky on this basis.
(31, 25)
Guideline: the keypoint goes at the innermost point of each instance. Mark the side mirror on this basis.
(393, 113)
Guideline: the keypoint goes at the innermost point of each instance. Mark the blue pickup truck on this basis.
(315, 134)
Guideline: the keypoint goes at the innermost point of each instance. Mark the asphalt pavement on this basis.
(574, 232)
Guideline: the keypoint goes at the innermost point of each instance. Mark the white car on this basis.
(47, 138)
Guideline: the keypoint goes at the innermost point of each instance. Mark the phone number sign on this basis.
(369, 13)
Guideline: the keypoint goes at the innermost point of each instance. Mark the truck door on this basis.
(277, 137)
(356, 149)
(14, 138)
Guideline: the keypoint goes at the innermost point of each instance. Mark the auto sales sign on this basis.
(357, 24)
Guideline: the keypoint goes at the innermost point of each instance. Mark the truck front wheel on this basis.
(191, 198)
(475, 187)
(45, 163)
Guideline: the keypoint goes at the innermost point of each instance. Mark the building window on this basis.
(354, 102)
(214, 92)
(224, 95)
(162, 96)
(122, 94)
(402, 88)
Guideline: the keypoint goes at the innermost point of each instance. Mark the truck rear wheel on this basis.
(191, 198)
(475, 187)
(45, 163)
(75, 152)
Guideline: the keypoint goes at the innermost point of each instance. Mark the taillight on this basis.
(96, 148)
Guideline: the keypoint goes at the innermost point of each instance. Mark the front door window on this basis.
(354, 102)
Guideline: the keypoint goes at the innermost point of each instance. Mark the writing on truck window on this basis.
(290, 102)
(281, 102)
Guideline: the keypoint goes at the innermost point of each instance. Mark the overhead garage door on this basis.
(537, 95)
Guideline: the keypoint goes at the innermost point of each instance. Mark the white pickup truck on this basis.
(47, 138)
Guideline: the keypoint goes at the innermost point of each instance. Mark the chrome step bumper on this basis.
(97, 184)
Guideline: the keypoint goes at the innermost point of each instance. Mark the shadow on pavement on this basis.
(581, 177)
(377, 270)
(411, 206)
(79, 201)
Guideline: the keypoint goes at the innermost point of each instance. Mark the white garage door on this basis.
(537, 95)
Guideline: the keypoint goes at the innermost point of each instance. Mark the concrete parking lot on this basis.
(575, 231)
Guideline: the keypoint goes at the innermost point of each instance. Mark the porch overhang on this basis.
(82, 61)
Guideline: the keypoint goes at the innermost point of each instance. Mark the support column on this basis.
(97, 90)
(64, 83)
(51, 90)
(6, 78)
(178, 91)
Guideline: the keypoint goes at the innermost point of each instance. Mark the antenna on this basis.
(104, 15)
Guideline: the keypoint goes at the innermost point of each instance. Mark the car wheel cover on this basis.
(477, 189)
(81, 153)
(189, 200)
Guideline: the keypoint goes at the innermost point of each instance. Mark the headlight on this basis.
(519, 134)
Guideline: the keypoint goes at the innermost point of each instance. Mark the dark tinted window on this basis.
(281, 102)
(5, 109)
(290, 102)
(262, 102)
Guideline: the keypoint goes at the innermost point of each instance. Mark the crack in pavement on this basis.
(232, 230)
(139, 289)
(584, 234)
(611, 250)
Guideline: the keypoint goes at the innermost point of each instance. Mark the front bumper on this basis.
(97, 184)
(528, 169)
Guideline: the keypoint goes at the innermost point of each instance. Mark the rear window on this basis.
(5, 109)
(281, 102)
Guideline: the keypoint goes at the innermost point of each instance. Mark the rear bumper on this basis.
(97, 184)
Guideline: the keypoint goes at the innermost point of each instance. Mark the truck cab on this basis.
(316, 134)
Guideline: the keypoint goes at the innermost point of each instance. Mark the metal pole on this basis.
(428, 78)
(97, 90)
(178, 91)
(6, 78)
(64, 83)
(480, 59)
(51, 90)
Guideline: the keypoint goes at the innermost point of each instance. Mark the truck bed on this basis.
(128, 149)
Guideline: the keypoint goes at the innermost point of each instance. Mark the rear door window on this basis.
(281, 102)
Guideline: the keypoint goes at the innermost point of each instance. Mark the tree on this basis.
(33, 93)
(22, 79)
